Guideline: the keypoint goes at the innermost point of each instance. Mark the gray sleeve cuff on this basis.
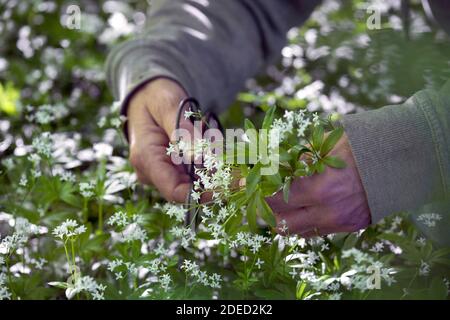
(395, 154)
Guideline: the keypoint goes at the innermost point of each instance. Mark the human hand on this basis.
(330, 202)
(151, 122)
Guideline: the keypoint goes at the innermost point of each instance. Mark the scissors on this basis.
(210, 121)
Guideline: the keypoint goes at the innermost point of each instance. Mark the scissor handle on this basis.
(213, 121)
(194, 106)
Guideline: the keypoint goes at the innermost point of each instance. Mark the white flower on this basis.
(67, 176)
(116, 122)
(335, 296)
(377, 247)
(119, 219)
(23, 180)
(68, 229)
(214, 280)
(4, 293)
(293, 273)
(195, 196)
(259, 263)
(192, 269)
(102, 122)
(89, 285)
(282, 226)
(189, 266)
(39, 264)
(252, 241)
(188, 114)
(178, 212)
(36, 173)
(23, 227)
(316, 119)
(312, 257)
(13, 242)
(102, 150)
(165, 281)
(134, 232)
(447, 284)
(429, 219)
(186, 235)
(424, 269)
(172, 148)
(43, 144)
(112, 265)
(160, 250)
(421, 241)
(34, 158)
(86, 189)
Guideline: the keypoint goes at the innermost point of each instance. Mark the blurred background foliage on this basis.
(52, 79)
(332, 63)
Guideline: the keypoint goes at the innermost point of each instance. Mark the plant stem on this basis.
(67, 257)
(9, 277)
(100, 216)
(85, 211)
(73, 257)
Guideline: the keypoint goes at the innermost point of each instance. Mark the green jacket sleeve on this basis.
(402, 152)
(209, 47)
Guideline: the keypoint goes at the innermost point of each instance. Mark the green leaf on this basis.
(268, 118)
(274, 180)
(247, 97)
(331, 141)
(286, 189)
(251, 213)
(244, 170)
(95, 244)
(9, 99)
(301, 286)
(300, 172)
(205, 235)
(320, 167)
(317, 137)
(438, 289)
(266, 212)
(58, 284)
(249, 125)
(334, 162)
(252, 179)
(269, 294)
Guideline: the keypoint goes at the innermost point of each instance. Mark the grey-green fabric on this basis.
(211, 47)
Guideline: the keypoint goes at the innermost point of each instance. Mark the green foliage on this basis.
(63, 156)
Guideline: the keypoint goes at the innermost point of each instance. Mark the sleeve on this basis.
(402, 152)
(209, 47)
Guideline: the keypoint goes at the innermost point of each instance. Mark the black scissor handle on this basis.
(211, 121)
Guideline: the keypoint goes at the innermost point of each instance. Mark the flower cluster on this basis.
(202, 277)
(429, 219)
(68, 230)
(253, 242)
(214, 177)
(86, 284)
(23, 230)
(120, 268)
(5, 294)
(129, 226)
